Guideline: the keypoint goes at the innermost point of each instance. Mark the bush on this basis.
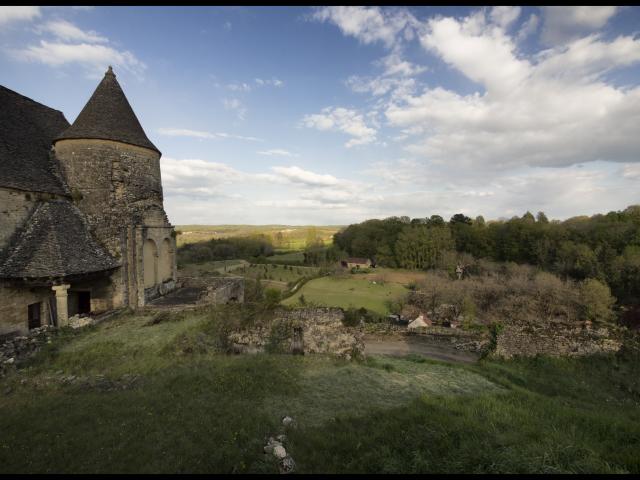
(596, 302)
(271, 297)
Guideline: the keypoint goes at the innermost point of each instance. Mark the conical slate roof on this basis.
(108, 116)
(55, 242)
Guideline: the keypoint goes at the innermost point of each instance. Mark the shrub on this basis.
(596, 301)
(271, 297)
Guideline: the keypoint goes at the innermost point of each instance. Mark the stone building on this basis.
(82, 224)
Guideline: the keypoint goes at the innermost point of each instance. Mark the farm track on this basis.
(414, 345)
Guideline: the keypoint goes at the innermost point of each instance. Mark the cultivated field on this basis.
(128, 396)
(285, 237)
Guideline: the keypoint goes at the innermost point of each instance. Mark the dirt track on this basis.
(416, 345)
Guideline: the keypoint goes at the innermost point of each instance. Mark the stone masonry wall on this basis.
(308, 330)
(113, 183)
(554, 340)
(119, 188)
(13, 307)
(15, 208)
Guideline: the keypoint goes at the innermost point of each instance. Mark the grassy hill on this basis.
(130, 397)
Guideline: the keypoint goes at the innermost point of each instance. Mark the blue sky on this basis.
(335, 115)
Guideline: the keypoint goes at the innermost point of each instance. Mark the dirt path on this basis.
(407, 345)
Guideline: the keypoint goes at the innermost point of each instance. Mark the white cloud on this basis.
(67, 31)
(274, 82)
(529, 27)
(235, 105)
(93, 57)
(277, 152)
(549, 109)
(70, 45)
(483, 53)
(368, 24)
(631, 171)
(184, 132)
(10, 14)
(504, 15)
(298, 175)
(239, 87)
(343, 120)
(563, 23)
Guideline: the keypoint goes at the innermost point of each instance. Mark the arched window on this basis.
(150, 263)
(166, 261)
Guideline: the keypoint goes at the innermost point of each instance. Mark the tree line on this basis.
(251, 247)
(603, 246)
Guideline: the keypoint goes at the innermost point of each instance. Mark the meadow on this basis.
(131, 396)
(348, 291)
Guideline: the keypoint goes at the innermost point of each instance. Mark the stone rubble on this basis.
(275, 447)
(78, 322)
(15, 349)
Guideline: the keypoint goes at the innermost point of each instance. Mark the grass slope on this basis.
(193, 410)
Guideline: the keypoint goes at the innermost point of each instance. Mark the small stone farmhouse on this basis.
(82, 223)
(355, 262)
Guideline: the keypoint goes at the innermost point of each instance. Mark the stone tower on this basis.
(113, 173)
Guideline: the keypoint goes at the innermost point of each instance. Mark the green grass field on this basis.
(289, 237)
(352, 291)
(190, 409)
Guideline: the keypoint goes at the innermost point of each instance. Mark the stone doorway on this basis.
(33, 315)
(84, 303)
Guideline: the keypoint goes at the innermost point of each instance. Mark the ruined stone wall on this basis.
(307, 330)
(223, 290)
(556, 339)
(14, 302)
(15, 208)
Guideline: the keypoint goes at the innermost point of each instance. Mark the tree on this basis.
(420, 247)
(460, 218)
(435, 221)
(312, 236)
(271, 297)
(542, 218)
(596, 300)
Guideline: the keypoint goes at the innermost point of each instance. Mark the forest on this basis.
(605, 247)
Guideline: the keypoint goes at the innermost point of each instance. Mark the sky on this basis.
(334, 115)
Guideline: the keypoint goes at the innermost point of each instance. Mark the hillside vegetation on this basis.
(134, 396)
(601, 247)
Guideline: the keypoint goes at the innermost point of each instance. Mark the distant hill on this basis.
(283, 237)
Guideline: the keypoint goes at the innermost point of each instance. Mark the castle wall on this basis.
(149, 243)
(119, 188)
(14, 302)
(113, 183)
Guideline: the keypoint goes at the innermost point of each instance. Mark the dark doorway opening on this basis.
(84, 303)
(34, 315)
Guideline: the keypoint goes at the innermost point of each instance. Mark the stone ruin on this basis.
(197, 291)
(16, 348)
(302, 331)
(515, 337)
